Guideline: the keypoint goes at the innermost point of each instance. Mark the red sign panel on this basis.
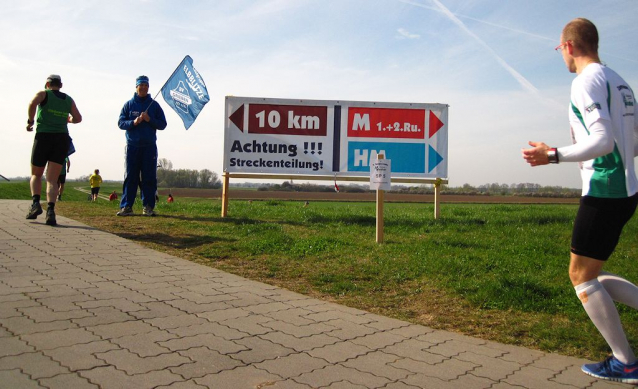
(395, 123)
(304, 120)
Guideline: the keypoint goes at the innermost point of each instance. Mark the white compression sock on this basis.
(603, 313)
(619, 289)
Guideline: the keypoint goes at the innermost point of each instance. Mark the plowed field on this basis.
(239, 194)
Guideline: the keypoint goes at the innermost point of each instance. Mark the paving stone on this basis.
(155, 310)
(344, 385)
(337, 373)
(299, 344)
(292, 365)
(103, 315)
(64, 303)
(188, 306)
(133, 364)
(225, 314)
(190, 384)
(204, 361)
(21, 325)
(326, 316)
(346, 330)
(110, 378)
(300, 331)
(533, 378)
(16, 379)
(339, 352)
(516, 354)
(449, 369)
(14, 346)
(296, 316)
(287, 384)
(378, 340)
(488, 367)
(60, 338)
(259, 350)
(80, 356)
(208, 340)
(145, 345)
(36, 365)
(574, 376)
(399, 385)
(44, 314)
(208, 328)
(116, 330)
(68, 381)
(123, 305)
(414, 349)
(378, 363)
(247, 377)
(250, 324)
(11, 308)
(168, 322)
(407, 331)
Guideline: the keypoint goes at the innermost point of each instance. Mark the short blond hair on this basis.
(583, 35)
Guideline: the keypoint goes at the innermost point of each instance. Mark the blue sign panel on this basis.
(406, 157)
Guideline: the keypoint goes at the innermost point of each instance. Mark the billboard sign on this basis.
(342, 138)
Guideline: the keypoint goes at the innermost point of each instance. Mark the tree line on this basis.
(167, 177)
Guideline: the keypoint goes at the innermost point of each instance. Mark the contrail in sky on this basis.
(517, 76)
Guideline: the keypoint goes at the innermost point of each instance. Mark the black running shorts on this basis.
(599, 223)
(47, 147)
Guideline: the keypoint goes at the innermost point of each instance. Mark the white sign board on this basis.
(380, 174)
(340, 138)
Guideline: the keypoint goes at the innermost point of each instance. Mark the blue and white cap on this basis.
(141, 80)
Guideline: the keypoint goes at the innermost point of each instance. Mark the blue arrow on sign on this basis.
(434, 159)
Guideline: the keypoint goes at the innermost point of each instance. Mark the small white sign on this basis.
(380, 174)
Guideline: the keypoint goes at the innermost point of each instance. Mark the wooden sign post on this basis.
(380, 180)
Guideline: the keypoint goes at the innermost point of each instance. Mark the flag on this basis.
(185, 92)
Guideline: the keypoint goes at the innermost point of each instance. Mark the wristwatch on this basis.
(29, 121)
(552, 155)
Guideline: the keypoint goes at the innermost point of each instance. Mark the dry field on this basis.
(239, 194)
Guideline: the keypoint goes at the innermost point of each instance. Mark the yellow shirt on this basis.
(95, 180)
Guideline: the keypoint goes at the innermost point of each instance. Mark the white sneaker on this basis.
(148, 211)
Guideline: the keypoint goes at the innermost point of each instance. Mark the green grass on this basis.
(494, 271)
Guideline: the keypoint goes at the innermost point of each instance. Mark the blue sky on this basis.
(492, 61)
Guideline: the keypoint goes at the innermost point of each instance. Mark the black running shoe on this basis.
(51, 217)
(35, 210)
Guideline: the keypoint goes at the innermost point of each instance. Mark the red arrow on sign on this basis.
(238, 118)
(435, 124)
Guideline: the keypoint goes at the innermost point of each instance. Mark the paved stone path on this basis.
(82, 308)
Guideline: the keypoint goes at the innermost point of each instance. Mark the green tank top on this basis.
(53, 116)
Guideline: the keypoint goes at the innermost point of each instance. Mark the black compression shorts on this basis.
(47, 147)
(599, 223)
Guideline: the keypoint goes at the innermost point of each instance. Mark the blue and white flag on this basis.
(185, 91)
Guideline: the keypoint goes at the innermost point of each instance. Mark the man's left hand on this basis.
(537, 155)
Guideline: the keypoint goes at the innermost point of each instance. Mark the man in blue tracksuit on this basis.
(141, 117)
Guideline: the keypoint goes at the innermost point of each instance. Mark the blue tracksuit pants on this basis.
(141, 162)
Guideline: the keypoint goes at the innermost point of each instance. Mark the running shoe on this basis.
(148, 211)
(35, 210)
(126, 211)
(613, 370)
(50, 220)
